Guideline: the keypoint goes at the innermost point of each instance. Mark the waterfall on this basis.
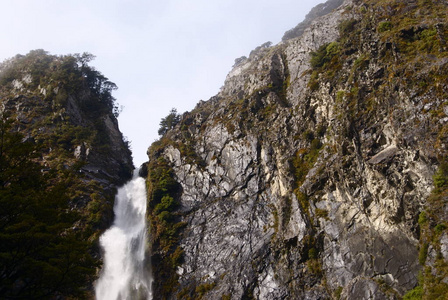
(125, 274)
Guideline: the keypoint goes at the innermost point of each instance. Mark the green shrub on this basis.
(428, 33)
(439, 228)
(414, 294)
(423, 253)
(422, 218)
(176, 257)
(202, 289)
(340, 96)
(384, 26)
(441, 176)
(303, 199)
(347, 26)
(312, 253)
(337, 293)
(332, 49)
(313, 84)
(324, 54)
(318, 58)
(164, 216)
(166, 204)
(314, 267)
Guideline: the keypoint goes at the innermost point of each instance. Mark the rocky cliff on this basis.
(310, 175)
(61, 147)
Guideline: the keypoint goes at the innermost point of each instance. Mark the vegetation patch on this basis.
(433, 225)
(414, 294)
(384, 26)
(36, 225)
(338, 292)
(165, 224)
(324, 54)
(202, 289)
(322, 213)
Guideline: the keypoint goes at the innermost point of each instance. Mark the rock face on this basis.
(305, 176)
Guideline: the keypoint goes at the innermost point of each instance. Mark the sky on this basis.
(162, 54)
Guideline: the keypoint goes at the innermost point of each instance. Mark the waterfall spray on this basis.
(125, 273)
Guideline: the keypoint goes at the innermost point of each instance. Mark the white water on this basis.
(125, 273)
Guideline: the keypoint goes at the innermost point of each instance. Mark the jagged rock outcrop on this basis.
(304, 178)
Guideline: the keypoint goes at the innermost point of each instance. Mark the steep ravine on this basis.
(306, 176)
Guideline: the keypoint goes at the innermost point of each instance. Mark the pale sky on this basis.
(162, 54)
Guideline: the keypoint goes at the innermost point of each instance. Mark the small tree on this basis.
(169, 121)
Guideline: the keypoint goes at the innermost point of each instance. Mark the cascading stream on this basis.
(125, 273)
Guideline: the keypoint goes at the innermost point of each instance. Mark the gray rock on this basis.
(257, 227)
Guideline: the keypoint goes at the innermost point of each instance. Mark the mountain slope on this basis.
(310, 174)
(62, 155)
